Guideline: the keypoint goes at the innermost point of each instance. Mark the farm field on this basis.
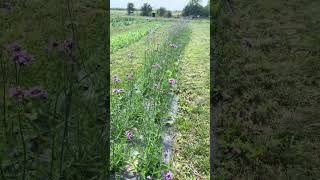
(151, 95)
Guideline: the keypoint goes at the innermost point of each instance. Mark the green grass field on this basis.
(267, 89)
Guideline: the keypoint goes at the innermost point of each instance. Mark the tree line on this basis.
(193, 8)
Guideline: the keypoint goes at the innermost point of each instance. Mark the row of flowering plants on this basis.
(23, 107)
(141, 101)
(40, 119)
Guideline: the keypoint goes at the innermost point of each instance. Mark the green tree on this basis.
(130, 8)
(161, 11)
(146, 9)
(195, 8)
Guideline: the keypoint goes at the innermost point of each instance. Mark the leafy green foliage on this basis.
(118, 21)
(195, 8)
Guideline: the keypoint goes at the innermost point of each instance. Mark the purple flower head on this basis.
(68, 46)
(37, 92)
(168, 176)
(21, 57)
(17, 93)
(118, 91)
(129, 135)
(173, 46)
(116, 78)
(149, 177)
(156, 66)
(172, 82)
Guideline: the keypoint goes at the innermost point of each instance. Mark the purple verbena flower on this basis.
(17, 93)
(116, 78)
(21, 57)
(168, 176)
(129, 135)
(37, 92)
(118, 91)
(149, 177)
(68, 46)
(172, 82)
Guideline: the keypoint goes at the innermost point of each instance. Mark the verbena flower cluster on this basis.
(34, 92)
(129, 135)
(19, 55)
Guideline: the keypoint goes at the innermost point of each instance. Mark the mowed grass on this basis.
(268, 90)
(191, 147)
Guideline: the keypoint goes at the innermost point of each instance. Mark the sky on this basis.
(168, 4)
